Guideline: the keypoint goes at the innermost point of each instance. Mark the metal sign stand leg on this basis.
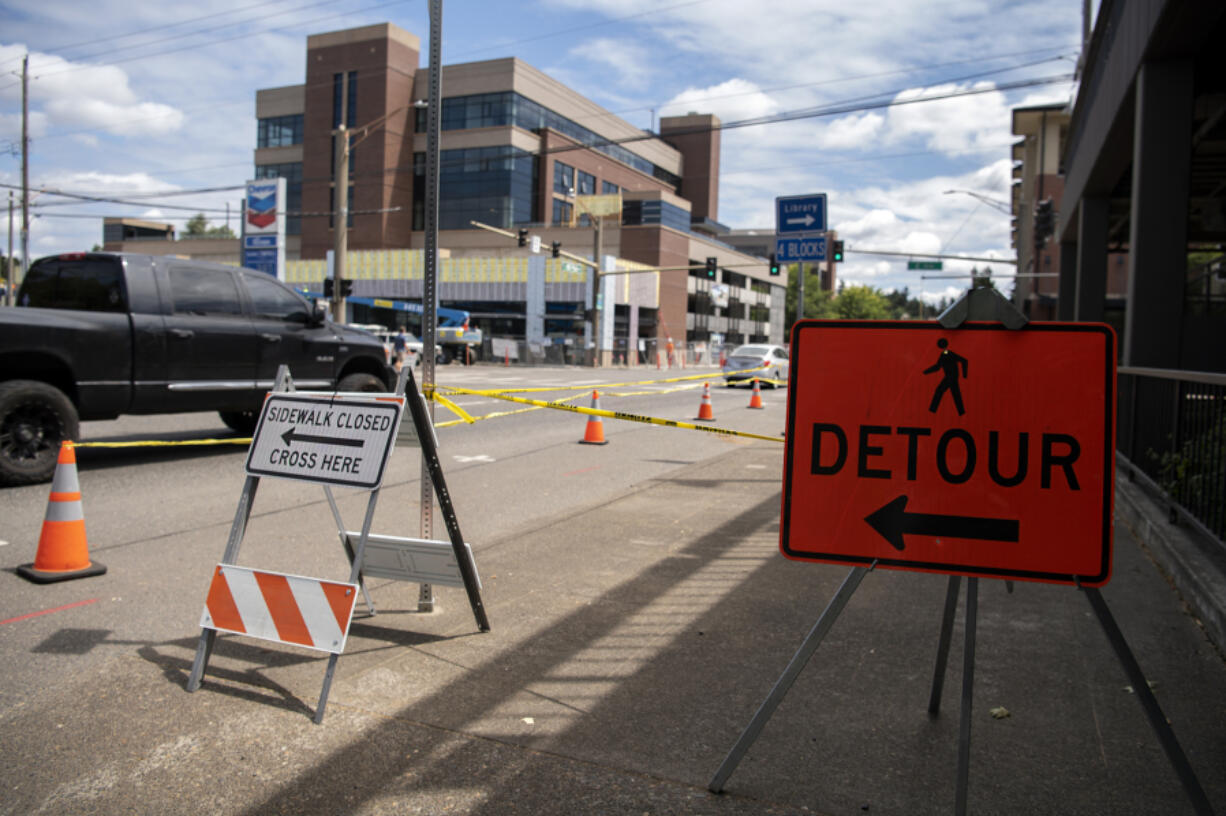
(204, 649)
(968, 677)
(429, 455)
(947, 629)
(785, 681)
(340, 531)
(968, 682)
(1162, 729)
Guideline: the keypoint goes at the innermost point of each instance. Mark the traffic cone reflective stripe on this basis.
(756, 400)
(705, 412)
(593, 434)
(63, 551)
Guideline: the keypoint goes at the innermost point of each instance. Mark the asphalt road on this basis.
(159, 517)
(641, 613)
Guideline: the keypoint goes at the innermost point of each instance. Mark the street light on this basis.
(1000, 206)
(346, 140)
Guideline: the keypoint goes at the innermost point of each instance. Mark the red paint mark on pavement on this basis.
(583, 470)
(49, 611)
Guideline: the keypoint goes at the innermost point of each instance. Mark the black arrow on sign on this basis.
(893, 522)
(291, 437)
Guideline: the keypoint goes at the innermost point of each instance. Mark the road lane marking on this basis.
(49, 611)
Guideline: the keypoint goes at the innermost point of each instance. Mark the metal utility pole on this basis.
(25, 163)
(9, 275)
(594, 292)
(429, 292)
(800, 291)
(340, 218)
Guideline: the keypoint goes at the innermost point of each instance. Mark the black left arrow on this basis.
(291, 437)
(893, 521)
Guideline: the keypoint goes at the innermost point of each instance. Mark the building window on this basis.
(280, 131)
(509, 108)
(655, 212)
(587, 184)
(561, 212)
(609, 188)
(492, 185)
(563, 178)
(292, 173)
(344, 97)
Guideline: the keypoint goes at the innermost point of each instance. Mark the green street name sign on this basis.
(923, 265)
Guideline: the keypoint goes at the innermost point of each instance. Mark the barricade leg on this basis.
(785, 681)
(947, 628)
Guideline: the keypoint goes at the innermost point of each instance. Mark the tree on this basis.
(817, 300)
(198, 227)
(862, 303)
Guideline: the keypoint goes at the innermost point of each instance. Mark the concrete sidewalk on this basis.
(631, 644)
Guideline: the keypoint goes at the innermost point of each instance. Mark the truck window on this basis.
(85, 284)
(272, 300)
(202, 291)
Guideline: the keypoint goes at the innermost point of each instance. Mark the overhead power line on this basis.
(78, 197)
(97, 40)
(228, 39)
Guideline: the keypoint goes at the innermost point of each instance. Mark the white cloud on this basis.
(69, 95)
(114, 185)
(626, 60)
(851, 132)
(732, 101)
(955, 126)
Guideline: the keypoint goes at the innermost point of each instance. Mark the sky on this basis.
(884, 105)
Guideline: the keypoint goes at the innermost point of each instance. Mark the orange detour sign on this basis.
(977, 451)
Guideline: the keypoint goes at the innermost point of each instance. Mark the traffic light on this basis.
(328, 287)
(556, 248)
(712, 263)
(346, 288)
(523, 237)
(1044, 222)
(838, 252)
(774, 265)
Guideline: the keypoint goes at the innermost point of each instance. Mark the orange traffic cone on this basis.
(593, 434)
(704, 408)
(756, 400)
(63, 552)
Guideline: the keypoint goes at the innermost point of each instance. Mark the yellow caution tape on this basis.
(451, 406)
(496, 414)
(600, 387)
(159, 443)
(600, 412)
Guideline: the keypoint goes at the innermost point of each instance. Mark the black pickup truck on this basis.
(96, 335)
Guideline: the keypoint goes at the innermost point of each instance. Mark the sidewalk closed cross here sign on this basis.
(337, 439)
(973, 451)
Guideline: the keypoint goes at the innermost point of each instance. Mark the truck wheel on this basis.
(362, 382)
(243, 422)
(34, 419)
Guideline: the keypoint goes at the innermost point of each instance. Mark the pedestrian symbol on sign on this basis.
(949, 364)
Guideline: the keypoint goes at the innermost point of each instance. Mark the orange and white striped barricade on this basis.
(294, 609)
(330, 439)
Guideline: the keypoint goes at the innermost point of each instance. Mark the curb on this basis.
(1198, 575)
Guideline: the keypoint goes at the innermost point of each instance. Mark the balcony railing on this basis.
(1172, 430)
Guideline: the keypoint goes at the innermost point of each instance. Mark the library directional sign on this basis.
(793, 250)
(800, 213)
(338, 439)
(976, 451)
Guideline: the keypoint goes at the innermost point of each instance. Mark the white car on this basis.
(757, 360)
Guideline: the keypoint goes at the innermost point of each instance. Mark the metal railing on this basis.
(1172, 429)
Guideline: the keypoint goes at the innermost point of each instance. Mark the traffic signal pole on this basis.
(340, 220)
